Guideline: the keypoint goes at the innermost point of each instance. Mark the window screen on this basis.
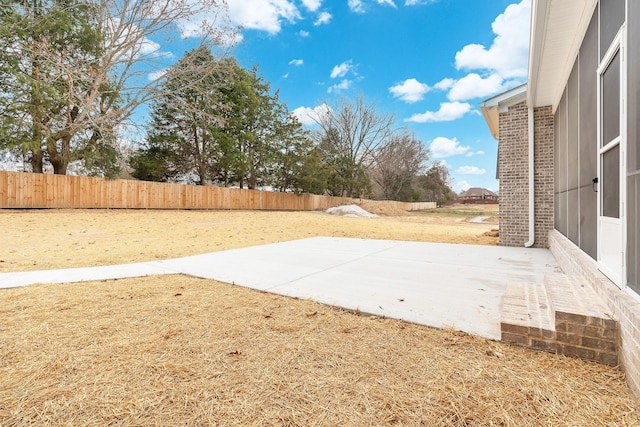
(611, 101)
(588, 142)
(610, 183)
(611, 19)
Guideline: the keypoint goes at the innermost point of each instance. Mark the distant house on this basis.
(478, 195)
(569, 153)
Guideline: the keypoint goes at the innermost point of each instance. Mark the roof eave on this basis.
(557, 30)
(539, 10)
(492, 107)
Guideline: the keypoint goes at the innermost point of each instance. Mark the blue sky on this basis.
(427, 62)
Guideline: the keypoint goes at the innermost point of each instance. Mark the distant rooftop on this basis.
(477, 193)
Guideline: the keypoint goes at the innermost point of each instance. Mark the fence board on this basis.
(45, 191)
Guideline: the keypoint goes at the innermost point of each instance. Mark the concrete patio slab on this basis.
(434, 284)
(85, 274)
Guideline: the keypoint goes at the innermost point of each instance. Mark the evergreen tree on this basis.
(181, 142)
(47, 69)
(73, 71)
(256, 121)
(294, 160)
(226, 129)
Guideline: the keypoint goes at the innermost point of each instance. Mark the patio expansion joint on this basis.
(331, 267)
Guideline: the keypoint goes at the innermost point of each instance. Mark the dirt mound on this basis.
(382, 208)
(351, 211)
(494, 232)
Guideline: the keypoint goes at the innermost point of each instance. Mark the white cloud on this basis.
(339, 87)
(155, 75)
(356, 6)
(341, 70)
(303, 33)
(508, 55)
(296, 62)
(444, 84)
(411, 90)
(202, 19)
(442, 147)
(387, 2)
(131, 42)
(310, 116)
(312, 5)
(148, 47)
(475, 153)
(470, 170)
(232, 38)
(323, 18)
(474, 86)
(359, 6)
(448, 111)
(418, 2)
(461, 186)
(151, 49)
(265, 15)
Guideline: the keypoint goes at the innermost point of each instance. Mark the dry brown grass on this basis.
(183, 351)
(47, 239)
(174, 350)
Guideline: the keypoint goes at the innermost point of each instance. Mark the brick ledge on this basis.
(562, 316)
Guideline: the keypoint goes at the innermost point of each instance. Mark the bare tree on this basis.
(73, 84)
(397, 163)
(348, 137)
(435, 184)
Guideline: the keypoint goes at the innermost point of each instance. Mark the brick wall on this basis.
(514, 175)
(622, 305)
(543, 174)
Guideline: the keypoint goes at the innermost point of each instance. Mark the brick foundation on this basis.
(620, 304)
(562, 316)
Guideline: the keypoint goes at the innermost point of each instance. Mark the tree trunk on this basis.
(59, 161)
(36, 161)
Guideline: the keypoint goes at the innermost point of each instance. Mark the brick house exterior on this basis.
(513, 169)
(513, 174)
(478, 195)
(543, 175)
(578, 113)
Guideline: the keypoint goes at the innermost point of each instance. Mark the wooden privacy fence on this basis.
(20, 190)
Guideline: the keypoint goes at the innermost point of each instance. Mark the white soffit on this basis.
(492, 107)
(557, 30)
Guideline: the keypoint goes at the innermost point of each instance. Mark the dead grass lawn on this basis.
(48, 239)
(174, 350)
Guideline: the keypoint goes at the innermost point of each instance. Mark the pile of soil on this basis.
(350, 211)
(382, 209)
